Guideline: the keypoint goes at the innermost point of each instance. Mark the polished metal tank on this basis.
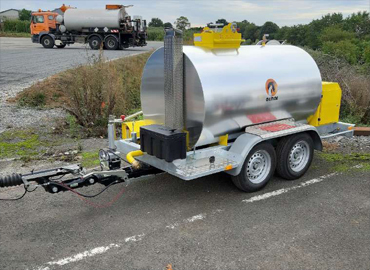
(227, 89)
(76, 19)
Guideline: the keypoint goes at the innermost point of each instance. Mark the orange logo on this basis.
(271, 87)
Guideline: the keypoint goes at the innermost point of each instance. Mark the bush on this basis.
(157, 34)
(16, 26)
(92, 92)
(354, 82)
(33, 99)
(343, 49)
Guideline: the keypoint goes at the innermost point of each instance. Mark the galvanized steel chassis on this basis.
(230, 158)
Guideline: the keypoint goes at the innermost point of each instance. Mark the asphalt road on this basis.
(23, 62)
(321, 221)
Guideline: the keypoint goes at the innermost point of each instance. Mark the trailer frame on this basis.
(227, 158)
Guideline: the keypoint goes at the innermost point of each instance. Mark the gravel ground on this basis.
(23, 63)
(345, 145)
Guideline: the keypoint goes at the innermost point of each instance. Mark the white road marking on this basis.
(134, 238)
(82, 255)
(188, 220)
(89, 253)
(285, 190)
(197, 217)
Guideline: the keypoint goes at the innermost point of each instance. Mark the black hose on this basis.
(11, 180)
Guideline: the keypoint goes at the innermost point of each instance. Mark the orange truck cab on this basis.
(42, 22)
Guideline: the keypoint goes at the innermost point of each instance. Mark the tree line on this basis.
(344, 37)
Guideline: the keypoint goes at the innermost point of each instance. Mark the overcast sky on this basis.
(282, 12)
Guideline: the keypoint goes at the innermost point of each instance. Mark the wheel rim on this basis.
(47, 41)
(299, 156)
(95, 43)
(258, 167)
(111, 43)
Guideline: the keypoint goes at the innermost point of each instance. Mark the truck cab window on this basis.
(51, 17)
(38, 19)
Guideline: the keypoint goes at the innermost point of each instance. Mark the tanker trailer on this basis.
(248, 111)
(112, 28)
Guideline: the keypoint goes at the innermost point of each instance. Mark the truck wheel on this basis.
(294, 154)
(111, 43)
(95, 43)
(258, 168)
(47, 42)
(61, 46)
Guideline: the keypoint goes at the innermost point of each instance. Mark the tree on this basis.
(25, 15)
(182, 23)
(156, 22)
(223, 21)
(269, 28)
(251, 32)
(167, 25)
(335, 33)
(242, 25)
(358, 23)
(342, 49)
(297, 35)
(282, 34)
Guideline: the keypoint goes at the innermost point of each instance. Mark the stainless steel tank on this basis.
(76, 19)
(227, 90)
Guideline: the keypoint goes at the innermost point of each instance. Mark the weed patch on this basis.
(90, 159)
(23, 144)
(345, 163)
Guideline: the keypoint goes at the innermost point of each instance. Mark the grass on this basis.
(20, 143)
(28, 145)
(14, 34)
(90, 159)
(349, 162)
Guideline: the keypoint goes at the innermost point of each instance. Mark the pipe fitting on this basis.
(130, 158)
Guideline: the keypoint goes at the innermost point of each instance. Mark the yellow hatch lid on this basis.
(226, 38)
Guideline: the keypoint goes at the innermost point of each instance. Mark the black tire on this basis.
(61, 46)
(95, 42)
(246, 180)
(294, 154)
(111, 43)
(47, 42)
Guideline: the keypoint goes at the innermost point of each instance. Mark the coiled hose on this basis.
(11, 180)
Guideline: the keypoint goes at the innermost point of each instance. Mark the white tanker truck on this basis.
(111, 27)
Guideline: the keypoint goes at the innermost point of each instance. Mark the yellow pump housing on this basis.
(228, 37)
(128, 127)
(329, 107)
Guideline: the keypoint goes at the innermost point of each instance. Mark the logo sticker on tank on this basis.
(271, 90)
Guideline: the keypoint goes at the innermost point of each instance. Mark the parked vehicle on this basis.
(112, 28)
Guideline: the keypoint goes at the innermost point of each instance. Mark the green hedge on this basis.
(155, 33)
(16, 26)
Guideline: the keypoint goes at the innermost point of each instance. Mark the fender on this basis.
(245, 142)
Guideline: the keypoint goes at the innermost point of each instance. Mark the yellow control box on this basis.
(328, 110)
(211, 38)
